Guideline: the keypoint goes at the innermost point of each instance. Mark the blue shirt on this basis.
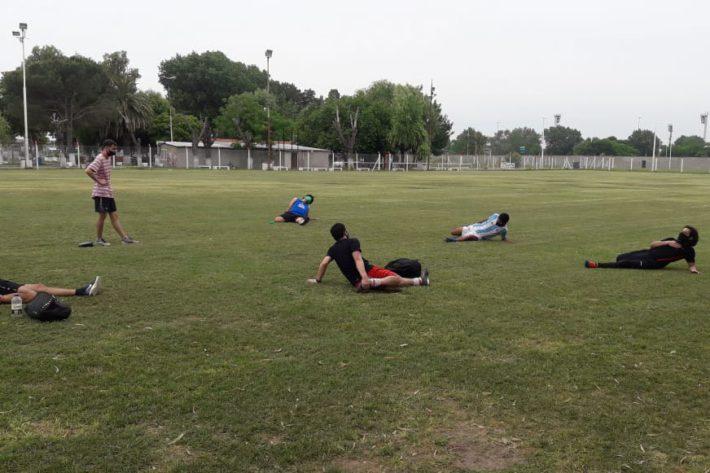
(299, 208)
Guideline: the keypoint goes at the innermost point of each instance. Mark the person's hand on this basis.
(313, 281)
(365, 284)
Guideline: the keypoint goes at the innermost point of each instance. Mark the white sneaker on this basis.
(102, 242)
(128, 240)
(94, 287)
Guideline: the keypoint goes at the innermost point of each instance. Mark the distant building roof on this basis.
(226, 143)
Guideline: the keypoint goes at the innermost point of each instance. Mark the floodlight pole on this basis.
(542, 145)
(670, 144)
(704, 122)
(268, 55)
(21, 35)
(653, 157)
(170, 109)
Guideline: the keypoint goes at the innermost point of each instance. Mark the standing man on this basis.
(496, 224)
(357, 270)
(100, 172)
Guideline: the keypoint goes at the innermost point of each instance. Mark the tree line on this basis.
(210, 96)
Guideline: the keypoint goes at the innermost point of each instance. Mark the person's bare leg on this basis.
(457, 231)
(100, 226)
(55, 291)
(117, 224)
(395, 281)
(467, 238)
(279, 219)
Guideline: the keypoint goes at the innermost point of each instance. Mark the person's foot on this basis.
(425, 277)
(451, 239)
(128, 240)
(102, 242)
(590, 264)
(95, 287)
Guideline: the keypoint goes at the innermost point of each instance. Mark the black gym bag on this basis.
(407, 268)
(47, 308)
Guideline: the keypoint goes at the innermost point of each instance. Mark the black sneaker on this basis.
(425, 277)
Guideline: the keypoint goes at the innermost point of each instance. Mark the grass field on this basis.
(208, 352)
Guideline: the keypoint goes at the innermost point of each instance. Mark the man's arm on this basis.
(673, 243)
(322, 267)
(91, 172)
(6, 299)
(360, 265)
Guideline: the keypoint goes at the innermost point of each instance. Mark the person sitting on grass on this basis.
(297, 211)
(659, 255)
(29, 291)
(496, 224)
(357, 270)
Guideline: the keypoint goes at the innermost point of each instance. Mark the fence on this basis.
(302, 159)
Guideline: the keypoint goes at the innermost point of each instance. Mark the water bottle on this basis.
(16, 306)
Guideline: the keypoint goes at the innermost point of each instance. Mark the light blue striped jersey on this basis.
(488, 229)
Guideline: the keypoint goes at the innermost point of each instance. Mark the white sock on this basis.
(375, 282)
(417, 281)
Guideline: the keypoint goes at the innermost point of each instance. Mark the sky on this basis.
(600, 64)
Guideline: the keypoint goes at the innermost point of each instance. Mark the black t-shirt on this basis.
(342, 253)
(668, 254)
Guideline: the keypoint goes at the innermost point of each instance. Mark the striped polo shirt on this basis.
(102, 167)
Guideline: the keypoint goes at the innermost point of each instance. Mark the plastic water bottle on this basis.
(16, 306)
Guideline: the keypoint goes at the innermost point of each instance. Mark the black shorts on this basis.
(291, 217)
(8, 287)
(104, 205)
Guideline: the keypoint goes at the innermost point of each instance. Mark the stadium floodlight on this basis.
(704, 122)
(670, 144)
(268, 55)
(558, 119)
(21, 35)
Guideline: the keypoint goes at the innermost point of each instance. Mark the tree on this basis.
(5, 132)
(468, 142)
(347, 134)
(438, 127)
(605, 147)
(199, 85)
(131, 110)
(561, 140)
(244, 116)
(408, 132)
(690, 146)
(642, 140)
(72, 90)
(510, 141)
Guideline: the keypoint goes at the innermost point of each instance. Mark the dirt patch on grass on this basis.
(49, 429)
(358, 466)
(476, 447)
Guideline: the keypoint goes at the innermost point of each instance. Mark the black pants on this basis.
(641, 259)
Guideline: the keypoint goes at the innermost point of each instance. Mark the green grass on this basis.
(208, 352)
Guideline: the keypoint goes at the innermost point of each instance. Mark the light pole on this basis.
(268, 55)
(558, 119)
(170, 111)
(670, 144)
(21, 35)
(638, 126)
(704, 123)
(542, 145)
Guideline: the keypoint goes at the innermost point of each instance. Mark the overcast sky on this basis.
(599, 63)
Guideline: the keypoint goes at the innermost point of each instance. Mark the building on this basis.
(228, 154)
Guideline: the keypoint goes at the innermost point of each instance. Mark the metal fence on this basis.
(48, 156)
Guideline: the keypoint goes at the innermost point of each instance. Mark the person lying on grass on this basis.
(357, 270)
(496, 224)
(29, 291)
(297, 211)
(659, 255)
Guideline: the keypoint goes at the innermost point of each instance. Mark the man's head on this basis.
(308, 199)
(503, 219)
(108, 147)
(688, 236)
(338, 231)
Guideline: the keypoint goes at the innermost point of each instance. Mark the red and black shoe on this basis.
(591, 264)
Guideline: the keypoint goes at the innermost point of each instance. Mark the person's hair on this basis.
(309, 197)
(108, 143)
(694, 236)
(338, 231)
(504, 217)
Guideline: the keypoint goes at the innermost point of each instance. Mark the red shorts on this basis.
(377, 273)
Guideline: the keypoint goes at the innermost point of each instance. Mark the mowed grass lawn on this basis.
(208, 351)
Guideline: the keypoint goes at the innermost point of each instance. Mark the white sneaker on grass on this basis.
(102, 242)
(128, 240)
(94, 287)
